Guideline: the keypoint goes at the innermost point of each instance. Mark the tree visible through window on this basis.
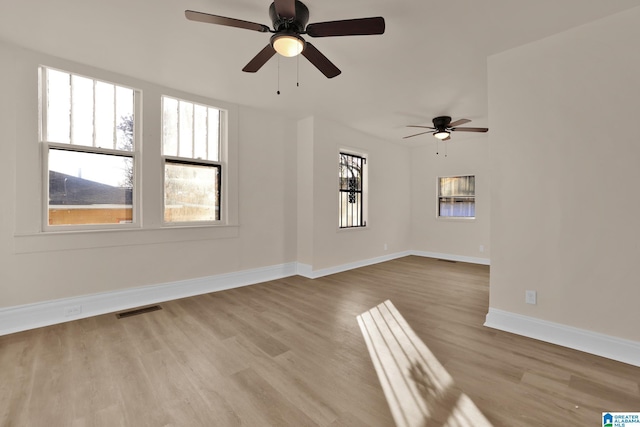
(351, 190)
(457, 196)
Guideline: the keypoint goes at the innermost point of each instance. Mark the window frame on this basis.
(364, 192)
(183, 161)
(220, 164)
(46, 146)
(439, 197)
(30, 236)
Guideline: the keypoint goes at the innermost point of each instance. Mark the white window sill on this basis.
(88, 239)
(456, 218)
(350, 229)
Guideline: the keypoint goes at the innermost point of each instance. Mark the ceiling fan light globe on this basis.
(442, 134)
(288, 45)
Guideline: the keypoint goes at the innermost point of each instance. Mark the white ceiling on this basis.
(430, 61)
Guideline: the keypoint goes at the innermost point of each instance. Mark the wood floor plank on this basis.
(272, 407)
(17, 362)
(291, 352)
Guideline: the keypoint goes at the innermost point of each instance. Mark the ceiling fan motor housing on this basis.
(297, 24)
(442, 122)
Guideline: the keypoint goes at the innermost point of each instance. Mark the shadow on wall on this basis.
(419, 391)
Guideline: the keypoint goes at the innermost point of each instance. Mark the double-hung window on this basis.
(88, 134)
(351, 188)
(457, 196)
(191, 146)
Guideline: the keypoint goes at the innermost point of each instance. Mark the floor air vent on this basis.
(137, 311)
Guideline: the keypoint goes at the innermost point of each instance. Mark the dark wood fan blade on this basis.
(320, 61)
(348, 27)
(285, 8)
(260, 59)
(447, 138)
(458, 123)
(411, 136)
(418, 126)
(470, 129)
(222, 20)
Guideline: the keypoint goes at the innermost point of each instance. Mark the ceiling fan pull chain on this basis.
(446, 149)
(278, 75)
(437, 147)
(298, 71)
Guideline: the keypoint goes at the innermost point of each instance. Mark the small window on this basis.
(192, 167)
(351, 190)
(457, 196)
(88, 132)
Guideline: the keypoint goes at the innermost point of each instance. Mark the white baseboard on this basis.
(304, 270)
(307, 271)
(46, 313)
(567, 336)
(449, 257)
(31, 316)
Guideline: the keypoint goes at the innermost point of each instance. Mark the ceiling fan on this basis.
(442, 128)
(289, 18)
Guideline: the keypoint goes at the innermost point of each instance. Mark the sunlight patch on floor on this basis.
(420, 392)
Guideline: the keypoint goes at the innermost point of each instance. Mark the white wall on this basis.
(465, 155)
(305, 192)
(564, 158)
(36, 266)
(267, 197)
(283, 204)
(7, 171)
(388, 219)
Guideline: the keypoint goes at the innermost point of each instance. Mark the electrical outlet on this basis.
(481, 248)
(73, 310)
(530, 297)
(385, 247)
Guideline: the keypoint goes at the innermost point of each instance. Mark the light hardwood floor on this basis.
(290, 353)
